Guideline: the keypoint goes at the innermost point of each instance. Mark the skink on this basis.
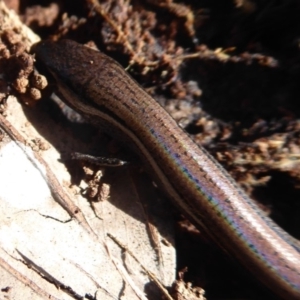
(99, 89)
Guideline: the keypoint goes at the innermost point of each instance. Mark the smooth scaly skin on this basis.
(98, 88)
